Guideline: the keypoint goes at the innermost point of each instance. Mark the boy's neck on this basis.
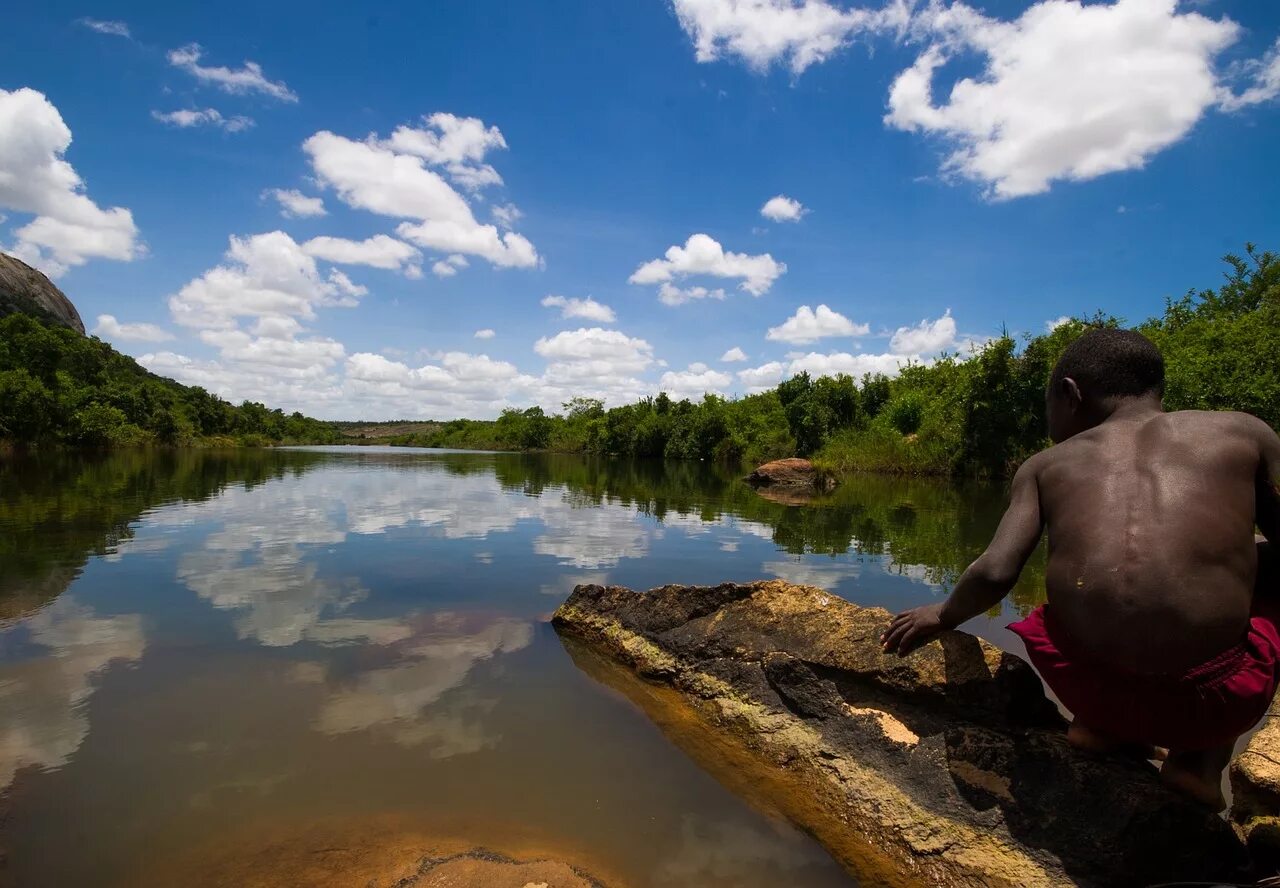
(1131, 408)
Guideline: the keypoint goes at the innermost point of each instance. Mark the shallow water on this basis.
(205, 655)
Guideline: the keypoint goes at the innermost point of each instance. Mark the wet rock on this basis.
(24, 289)
(480, 869)
(790, 475)
(950, 766)
(1255, 788)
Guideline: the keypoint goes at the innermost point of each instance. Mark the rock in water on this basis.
(24, 289)
(950, 766)
(790, 473)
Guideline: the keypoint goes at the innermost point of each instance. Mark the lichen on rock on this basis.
(949, 767)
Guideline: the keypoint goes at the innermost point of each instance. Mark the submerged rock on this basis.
(381, 850)
(949, 767)
(790, 474)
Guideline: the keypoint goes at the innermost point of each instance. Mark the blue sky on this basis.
(948, 170)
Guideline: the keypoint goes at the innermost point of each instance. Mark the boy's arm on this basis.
(988, 579)
(1267, 511)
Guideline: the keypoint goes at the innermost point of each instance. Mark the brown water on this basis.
(220, 664)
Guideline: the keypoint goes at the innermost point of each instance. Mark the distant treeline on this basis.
(58, 387)
(979, 414)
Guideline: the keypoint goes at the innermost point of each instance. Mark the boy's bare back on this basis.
(1151, 518)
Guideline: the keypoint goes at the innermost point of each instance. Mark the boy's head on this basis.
(1097, 371)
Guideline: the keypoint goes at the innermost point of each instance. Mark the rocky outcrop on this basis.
(790, 475)
(24, 289)
(949, 767)
(1255, 790)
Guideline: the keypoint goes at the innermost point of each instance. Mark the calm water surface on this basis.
(199, 648)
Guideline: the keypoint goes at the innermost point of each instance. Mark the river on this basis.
(218, 662)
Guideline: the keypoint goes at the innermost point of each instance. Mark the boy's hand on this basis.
(911, 629)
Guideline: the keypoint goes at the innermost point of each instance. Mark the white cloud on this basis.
(733, 354)
(587, 309)
(797, 32)
(593, 362)
(309, 355)
(507, 215)
(266, 275)
(115, 29)
(842, 362)
(247, 79)
(766, 376)
(385, 177)
(296, 205)
(1050, 326)
(670, 294)
(698, 380)
(68, 229)
(596, 343)
(109, 328)
(810, 325)
(1068, 92)
(187, 118)
(272, 284)
(926, 338)
(458, 144)
(449, 266)
(783, 209)
(703, 255)
(486, 333)
(1265, 86)
(454, 384)
(379, 251)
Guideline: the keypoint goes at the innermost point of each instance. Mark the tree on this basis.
(535, 429)
(26, 407)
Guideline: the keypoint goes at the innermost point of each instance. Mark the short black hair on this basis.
(1108, 362)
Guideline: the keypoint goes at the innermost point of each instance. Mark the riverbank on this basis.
(979, 413)
(948, 768)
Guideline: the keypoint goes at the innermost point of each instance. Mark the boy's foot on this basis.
(1206, 792)
(1198, 775)
(1081, 736)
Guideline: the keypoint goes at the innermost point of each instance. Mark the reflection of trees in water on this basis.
(928, 529)
(57, 509)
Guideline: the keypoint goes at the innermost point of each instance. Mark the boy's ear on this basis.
(1071, 393)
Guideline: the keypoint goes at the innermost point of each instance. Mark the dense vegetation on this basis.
(972, 414)
(60, 387)
(978, 414)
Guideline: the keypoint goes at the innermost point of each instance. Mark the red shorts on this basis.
(1209, 706)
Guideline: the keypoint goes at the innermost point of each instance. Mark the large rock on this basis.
(24, 289)
(1255, 789)
(789, 474)
(949, 767)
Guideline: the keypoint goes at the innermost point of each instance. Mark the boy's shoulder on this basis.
(1218, 421)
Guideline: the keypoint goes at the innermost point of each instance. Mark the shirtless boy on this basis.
(1161, 623)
